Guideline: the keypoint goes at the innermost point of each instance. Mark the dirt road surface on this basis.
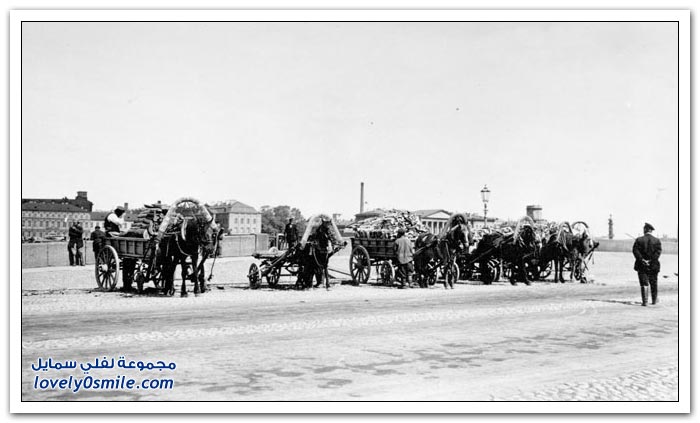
(558, 342)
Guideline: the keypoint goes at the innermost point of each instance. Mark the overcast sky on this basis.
(580, 118)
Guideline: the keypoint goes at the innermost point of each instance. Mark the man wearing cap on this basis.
(404, 255)
(98, 240)
(647, 250)
(114, 222)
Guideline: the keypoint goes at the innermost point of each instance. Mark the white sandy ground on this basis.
(542, 342)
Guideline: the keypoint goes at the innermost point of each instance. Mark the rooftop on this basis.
(429, 212)
(232, 206)
(52, 207)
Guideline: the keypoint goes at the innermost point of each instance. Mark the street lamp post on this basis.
(485, 194)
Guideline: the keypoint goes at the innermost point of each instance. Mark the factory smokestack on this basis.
(362, 197)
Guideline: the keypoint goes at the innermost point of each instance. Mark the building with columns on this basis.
(433, 219)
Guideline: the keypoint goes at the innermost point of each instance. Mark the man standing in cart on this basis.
(114, 222)
(290, 233)
(404, 255)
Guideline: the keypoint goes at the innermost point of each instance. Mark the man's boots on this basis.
(654, 292)
(645, 294)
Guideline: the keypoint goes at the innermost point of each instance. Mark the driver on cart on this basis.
(114, 222)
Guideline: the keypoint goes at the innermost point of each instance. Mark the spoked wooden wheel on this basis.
(140, 275)
(386, 273)
(273, 277)
(576, 271)
(493, 272)
(451, 274)
(546, 271)
(107, 268)
(360, 266)
(254, 276)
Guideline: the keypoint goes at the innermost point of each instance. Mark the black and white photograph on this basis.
(350, 211)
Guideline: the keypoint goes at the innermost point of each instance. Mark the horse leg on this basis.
(195, 275)
(168, 278)
(183, 267)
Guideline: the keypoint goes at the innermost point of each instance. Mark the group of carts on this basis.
(138, 256)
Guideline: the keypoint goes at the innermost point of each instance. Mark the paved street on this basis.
(552, 342)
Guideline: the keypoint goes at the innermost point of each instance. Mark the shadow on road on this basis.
(631, 303)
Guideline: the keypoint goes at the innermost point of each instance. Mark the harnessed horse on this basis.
(196, 238)
(315, 255)
(433, 252)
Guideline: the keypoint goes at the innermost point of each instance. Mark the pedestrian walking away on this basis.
(647, 250)
(75, 245)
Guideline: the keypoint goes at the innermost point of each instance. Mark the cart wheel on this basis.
(142, 274)
(273, 277)
(576, 272)
(452, 275)
(431, 278)
(254, 276)
(107, 268)
(544, 273)
(386, 273)
(360, 265)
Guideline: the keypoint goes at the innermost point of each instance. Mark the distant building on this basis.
(81, 201)
(370, 213)
(433, 219)
(535, 213)
(236, 217)
(476, 220)
(49, 219)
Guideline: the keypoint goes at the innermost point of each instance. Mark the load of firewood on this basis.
(388, 224)
(147, 221)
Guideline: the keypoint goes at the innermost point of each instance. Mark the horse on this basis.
(433, 252)
(582, 247)
(197, 237)
(517, 251)
(486, 251)
(559, 248)
(314, 257)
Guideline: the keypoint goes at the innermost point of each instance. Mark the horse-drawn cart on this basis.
(377, 252)
(274, 264)
(136, 256)
(308, 258)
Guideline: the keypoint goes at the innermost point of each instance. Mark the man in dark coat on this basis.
(98, 240)
(75, 245)
(647, 250)
(290, 233)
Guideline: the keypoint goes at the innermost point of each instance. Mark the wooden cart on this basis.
(377, 252)
(136, 256)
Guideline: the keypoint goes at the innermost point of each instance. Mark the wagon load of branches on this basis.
(387, 225)
(147, 221)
